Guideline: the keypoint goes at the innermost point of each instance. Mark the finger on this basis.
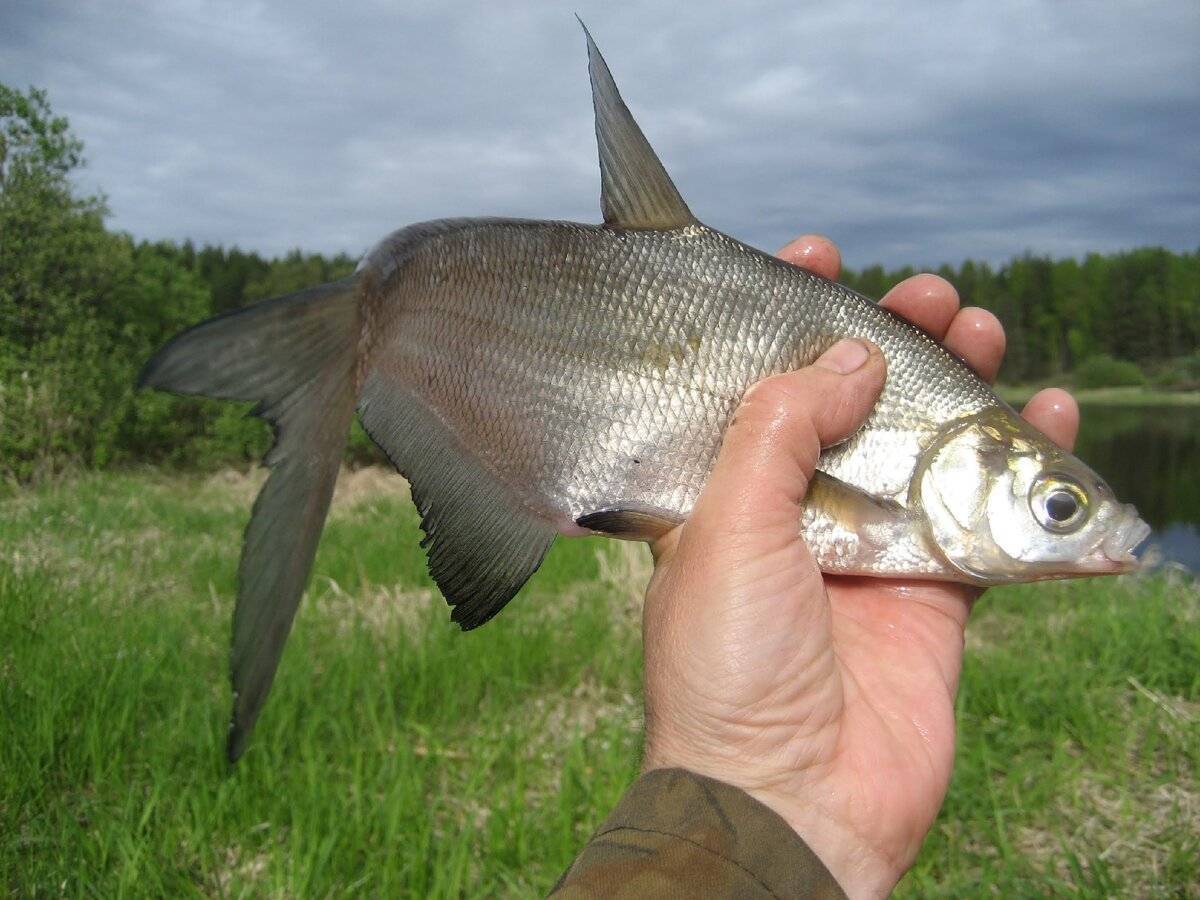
(1056, 413)
(771, 446)
(813, 252)
(926, 300)
(978, 337)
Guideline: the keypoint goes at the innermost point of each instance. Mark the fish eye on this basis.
(1058, 505)
(1061, 506)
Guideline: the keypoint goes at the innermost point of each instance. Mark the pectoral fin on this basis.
(635, 189)
(851, 505)
(852, 532)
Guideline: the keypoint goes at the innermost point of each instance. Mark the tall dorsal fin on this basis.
(635, 189)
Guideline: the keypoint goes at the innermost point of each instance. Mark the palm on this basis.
(899, 649)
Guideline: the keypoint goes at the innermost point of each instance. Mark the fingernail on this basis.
(844, 357)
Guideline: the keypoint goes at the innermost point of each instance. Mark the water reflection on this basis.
(1151, 457)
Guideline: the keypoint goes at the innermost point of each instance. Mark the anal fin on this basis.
(482, 543)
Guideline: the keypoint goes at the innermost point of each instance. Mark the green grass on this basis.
(398, 756)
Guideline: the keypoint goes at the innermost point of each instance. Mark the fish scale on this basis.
(538, 378)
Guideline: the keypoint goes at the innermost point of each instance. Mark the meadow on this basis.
(400, 757)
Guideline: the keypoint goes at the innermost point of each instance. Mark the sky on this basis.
(914, 133)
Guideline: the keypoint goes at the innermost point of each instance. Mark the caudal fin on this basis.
(295, 356)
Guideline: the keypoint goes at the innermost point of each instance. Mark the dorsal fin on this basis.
(635, 189)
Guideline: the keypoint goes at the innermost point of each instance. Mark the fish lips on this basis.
(1116, 552)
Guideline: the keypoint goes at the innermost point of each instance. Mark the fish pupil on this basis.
(1061, 506)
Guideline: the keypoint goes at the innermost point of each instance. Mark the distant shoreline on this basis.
(1017, 394)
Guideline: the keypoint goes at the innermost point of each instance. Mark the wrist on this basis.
(858, 867)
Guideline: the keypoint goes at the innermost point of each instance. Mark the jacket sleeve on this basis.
(678, 834)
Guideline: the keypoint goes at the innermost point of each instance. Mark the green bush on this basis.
(1104, 371)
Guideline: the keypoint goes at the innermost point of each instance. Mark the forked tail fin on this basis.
(295, 356)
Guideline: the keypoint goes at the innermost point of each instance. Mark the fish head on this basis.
(1004, 503)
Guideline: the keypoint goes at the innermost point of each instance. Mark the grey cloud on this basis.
(914, 134)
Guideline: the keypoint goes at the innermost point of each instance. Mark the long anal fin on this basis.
(483, 544)
(635, 189)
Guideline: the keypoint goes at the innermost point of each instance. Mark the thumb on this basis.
(771, 446)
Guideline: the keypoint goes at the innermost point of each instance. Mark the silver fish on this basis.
(537, 378)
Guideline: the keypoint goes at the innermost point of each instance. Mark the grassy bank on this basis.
(399, 756)
(1018, 394)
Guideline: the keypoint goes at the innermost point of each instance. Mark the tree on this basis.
(54, 256)
(33, 140)
(80, 308)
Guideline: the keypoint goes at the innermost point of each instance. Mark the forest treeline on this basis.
(82, 308)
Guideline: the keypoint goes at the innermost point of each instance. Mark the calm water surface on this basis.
(1151, 457)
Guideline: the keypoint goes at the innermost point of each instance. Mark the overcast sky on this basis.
(928, 133)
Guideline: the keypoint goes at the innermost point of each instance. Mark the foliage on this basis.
(58, 269)
(33, 139)
(1104, 371)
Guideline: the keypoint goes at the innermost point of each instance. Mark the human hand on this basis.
(829, 699)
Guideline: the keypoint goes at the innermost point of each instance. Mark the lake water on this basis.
(1151, 457)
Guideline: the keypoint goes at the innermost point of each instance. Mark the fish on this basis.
(540, 378)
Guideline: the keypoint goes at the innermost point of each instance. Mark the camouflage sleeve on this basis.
(678, 834)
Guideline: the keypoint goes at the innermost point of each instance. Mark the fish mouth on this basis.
(1126, 534)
